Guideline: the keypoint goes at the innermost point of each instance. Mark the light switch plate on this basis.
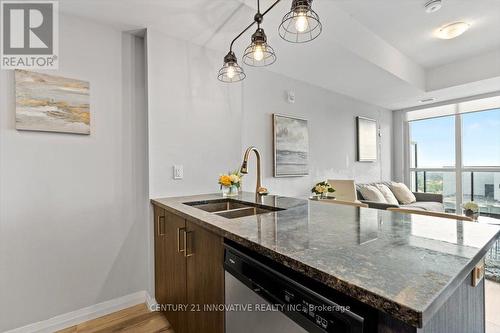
(178, 172)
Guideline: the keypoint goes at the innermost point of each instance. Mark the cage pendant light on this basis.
(259, 53)
(301, 24)
(231, 71)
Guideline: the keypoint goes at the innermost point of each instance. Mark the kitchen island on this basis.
(414, 271)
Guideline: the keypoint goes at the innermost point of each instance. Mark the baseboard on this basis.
(91, 312)
(151, 302)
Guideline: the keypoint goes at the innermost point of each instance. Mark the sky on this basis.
(436, 140)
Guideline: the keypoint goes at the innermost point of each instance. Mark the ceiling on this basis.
(405, 25)
(378, 51)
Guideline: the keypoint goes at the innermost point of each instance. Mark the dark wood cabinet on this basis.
(189, 271)
(170, 266)
(160, 240)
(205, 278)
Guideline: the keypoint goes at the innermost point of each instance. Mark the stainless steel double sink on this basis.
(232, 209)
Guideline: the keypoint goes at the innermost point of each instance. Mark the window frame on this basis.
(459, 168)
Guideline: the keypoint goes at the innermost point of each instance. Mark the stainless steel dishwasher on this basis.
(261, 299)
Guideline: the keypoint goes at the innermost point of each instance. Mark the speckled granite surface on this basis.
(404, 265)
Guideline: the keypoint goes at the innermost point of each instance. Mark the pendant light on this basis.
(231, 71)
(301, 24)
(259, 53)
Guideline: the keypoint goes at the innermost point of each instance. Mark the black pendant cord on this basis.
(255, 21)
(241, 33)
(271, 7)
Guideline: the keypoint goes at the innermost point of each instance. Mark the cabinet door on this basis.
(205, 278)
(170, 263)
(160, 239)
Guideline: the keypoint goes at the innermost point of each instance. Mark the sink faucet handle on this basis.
(263, 191)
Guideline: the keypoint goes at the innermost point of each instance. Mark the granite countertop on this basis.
(404, 265)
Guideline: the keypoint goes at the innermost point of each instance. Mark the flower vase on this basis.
(229, 191)
(472, 214)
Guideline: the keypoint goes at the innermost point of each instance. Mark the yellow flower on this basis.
(225, 180)
(234, 179)
(319, 189)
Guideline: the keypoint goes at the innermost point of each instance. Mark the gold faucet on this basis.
(259, 190)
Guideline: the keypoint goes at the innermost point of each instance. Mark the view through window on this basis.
(433, 159)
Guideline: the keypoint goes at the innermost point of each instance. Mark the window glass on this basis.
(434, 141)
(481, 138)
(484, 189)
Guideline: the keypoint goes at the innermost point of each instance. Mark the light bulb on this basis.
(258, 53)
(301, 23)
(231, 72)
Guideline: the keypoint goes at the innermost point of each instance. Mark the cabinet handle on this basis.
(161, 219)
(186, 254)
(179, 240)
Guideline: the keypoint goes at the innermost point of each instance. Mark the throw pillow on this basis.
(371, 193)
(387, 193)
(403, 193)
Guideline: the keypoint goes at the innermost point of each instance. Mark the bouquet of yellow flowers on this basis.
(230, 179)
(322, 189)
(230, 183)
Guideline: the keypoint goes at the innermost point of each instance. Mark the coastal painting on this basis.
(291, 146)
(367, 139)
(51, 103)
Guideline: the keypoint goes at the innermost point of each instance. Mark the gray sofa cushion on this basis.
(425, 205)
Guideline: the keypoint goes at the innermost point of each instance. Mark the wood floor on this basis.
(137, 319)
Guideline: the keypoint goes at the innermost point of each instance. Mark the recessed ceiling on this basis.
(406, 25)
(380, 51)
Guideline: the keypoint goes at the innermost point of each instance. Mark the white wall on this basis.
(194, 120)
(73, 208)
(332, 132)
(74, 224)
(205, 125)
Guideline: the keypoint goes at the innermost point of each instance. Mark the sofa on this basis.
(425, 201)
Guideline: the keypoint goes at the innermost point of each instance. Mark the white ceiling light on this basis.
(427, 100)
(452, 30)
(432, 6)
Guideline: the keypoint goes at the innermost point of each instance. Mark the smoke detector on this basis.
(432, 6)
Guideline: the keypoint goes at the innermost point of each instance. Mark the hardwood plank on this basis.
(155, 322)
(149, 322)
(112, 319)
(136, 319)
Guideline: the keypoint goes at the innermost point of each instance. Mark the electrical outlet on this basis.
(178, 172)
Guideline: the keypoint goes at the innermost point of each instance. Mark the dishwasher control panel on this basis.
(312, 311)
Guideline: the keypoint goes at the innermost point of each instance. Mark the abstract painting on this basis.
(367, 139)
(51, 103)
(291, 146)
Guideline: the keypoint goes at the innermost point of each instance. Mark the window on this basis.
(435, 166)
(434, 142)
(484, 189)
(432, 158)
(481, 138)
